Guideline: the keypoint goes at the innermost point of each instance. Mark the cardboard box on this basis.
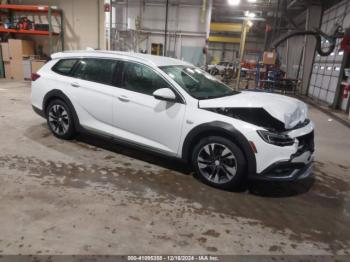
(37, 64)
(269, 58)
(19, 48)
(5, 51)
(16, 67)
(7, 70)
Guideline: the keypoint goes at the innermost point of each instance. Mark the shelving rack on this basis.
(36, 9)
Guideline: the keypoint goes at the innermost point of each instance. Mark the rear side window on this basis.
(96, 70)
(64, 66)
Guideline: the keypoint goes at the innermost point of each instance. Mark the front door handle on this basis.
(123, 98)
(75, 84)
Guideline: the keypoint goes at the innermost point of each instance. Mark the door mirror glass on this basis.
(165, 94)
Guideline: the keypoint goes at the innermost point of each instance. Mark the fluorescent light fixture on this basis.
(251, 1)
(249, 14)
(249, 23)
(234, 2)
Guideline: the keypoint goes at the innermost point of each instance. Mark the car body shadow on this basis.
(41, 133)
(258, 188)
(133, 152)
(275, 189)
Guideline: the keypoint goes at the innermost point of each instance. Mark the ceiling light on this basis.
(249, 14)
(251, 1)
(234, 2)
(249, 23)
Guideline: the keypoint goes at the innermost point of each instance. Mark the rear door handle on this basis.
(123, 98)
(75, 84)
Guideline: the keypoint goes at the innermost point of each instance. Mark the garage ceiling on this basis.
(280, 14)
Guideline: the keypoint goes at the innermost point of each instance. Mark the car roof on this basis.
(138, 57)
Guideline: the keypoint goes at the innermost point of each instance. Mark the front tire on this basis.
(218, 162)
(60, 120)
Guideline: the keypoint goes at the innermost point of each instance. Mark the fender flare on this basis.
(58, 94)
(228, 131)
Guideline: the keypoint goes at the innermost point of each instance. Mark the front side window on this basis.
(64, 66)
(96, 70)
(198, 83)
(141, 79)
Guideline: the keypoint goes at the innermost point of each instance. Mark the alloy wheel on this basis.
(217, 163)
(58, 119)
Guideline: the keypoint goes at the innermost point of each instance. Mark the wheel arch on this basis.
(218, 128)
(58, 94)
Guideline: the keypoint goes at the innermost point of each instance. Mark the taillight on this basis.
(35, 76)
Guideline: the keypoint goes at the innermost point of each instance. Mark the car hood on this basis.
(289, 111)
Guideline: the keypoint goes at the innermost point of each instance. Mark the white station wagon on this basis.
(174, 108)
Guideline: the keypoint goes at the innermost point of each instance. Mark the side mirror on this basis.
(165, 94)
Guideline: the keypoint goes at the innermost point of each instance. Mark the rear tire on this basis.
(60, 119)
(219, 162)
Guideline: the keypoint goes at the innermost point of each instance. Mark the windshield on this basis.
(197, 82)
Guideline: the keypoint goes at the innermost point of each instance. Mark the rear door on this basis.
(93, 89)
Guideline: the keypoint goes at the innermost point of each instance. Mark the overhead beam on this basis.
(225, 39)
(243, 7)
(226, 27)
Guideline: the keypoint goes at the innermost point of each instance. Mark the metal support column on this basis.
(2, 69)
(62, 30)
(110, 25)
(241, 51)
(50, 30)
(313, 20)
(166, 28)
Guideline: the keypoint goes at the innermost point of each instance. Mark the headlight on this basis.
(275, 138)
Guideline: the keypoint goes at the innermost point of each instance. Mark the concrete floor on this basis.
(89, 196)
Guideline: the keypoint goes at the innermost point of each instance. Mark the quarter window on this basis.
(64, 66)
(96, 70)
(141, 79)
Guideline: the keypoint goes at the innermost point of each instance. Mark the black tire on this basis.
(60, 119)
(230, 168)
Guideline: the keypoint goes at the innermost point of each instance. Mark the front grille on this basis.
(306, 142)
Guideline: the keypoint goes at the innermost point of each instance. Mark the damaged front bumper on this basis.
(299, 166)
(285, 171)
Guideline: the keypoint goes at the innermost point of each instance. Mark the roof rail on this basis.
(123, 53)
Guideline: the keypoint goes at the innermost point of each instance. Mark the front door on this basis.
(143, 118)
